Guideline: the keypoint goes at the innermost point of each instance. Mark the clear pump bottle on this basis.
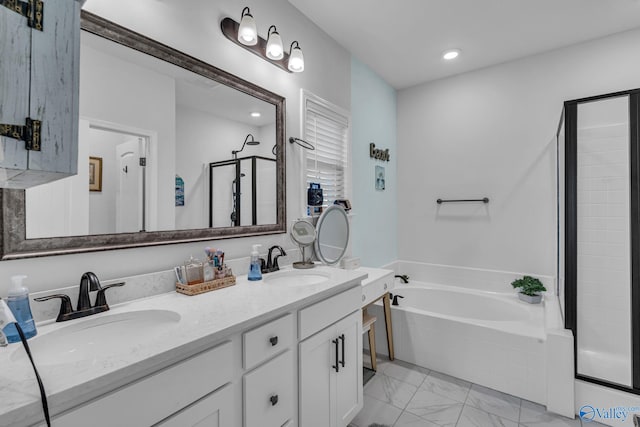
(18, 302)
(255, 267)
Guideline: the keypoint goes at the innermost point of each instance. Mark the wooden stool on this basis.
(367, 325)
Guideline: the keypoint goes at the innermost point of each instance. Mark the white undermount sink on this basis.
(295, 278)
(92, 338)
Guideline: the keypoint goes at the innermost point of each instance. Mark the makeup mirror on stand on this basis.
(304, 234)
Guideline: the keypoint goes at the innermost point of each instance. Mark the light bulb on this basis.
(247, 32)
(451, 54)
(275, 50)
(296, 59)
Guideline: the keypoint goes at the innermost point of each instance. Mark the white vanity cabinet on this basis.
(183, 394)
(330, 374)
(39, 81)
(296, 365)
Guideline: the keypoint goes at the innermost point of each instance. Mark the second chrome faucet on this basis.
(88, 282)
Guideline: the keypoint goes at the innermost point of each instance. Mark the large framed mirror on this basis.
(172, 150)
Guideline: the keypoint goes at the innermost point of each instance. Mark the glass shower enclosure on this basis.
(601, 237)
(242, 192)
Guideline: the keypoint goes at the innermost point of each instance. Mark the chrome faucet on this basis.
(272, 263)
(88, 282)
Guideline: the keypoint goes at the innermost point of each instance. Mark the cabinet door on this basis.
(39, 75)
(349, 380)
(213, 410)
(317, 382)
(15, 69)
(55, 72)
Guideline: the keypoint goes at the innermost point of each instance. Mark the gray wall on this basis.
(196, 31)
(492, 133)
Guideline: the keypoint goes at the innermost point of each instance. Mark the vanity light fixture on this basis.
(247, 31)
(274, 44)
(271, 50)
(234, 153)
(296, 59)
(451, 54)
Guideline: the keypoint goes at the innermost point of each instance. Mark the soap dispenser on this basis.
(18, 302)
(255, 267)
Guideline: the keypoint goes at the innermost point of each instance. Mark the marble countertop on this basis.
(373, 274)
(205, 320)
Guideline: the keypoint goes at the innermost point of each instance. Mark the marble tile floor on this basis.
(405, 395)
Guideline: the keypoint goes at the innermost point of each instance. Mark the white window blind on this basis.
(328, 131)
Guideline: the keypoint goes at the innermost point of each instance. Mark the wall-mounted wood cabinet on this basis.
(39, 71)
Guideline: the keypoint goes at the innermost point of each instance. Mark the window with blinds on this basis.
(327, 165)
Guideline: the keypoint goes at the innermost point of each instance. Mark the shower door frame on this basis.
(571, 231)
(254, 186)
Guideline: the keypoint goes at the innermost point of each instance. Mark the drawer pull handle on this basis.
(343, 340)
(273, 340)
(337, 365)
(274, 400)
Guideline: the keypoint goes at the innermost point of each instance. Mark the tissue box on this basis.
(350, 263)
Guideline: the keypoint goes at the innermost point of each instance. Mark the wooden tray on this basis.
(203, 287)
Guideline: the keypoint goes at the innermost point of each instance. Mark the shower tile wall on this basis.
(604, 313)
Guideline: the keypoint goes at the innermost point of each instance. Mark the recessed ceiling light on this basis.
(451, 54)
(255, 114)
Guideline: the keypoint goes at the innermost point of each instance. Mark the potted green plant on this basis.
(529, 289)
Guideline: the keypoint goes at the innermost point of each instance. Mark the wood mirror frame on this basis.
(15, 245)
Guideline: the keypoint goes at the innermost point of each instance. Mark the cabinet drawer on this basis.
(376, 288)
(268, 393)
(322, 314)
(213, 410)
(266, 341)
(159, 395)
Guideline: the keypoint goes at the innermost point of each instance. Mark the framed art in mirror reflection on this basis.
(95, 173)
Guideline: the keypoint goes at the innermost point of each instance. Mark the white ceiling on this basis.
(223, 101)
(403, 40)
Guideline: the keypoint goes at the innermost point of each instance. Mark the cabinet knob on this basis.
(274, 400)
(273, 340)
(385, 286)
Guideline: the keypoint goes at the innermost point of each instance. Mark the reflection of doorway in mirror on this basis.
(119, 208)
(67, 207)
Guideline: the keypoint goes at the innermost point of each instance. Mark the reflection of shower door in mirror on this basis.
(602, 238)
(242, 192)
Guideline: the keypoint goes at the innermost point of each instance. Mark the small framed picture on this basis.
(95, 173)
(380, 185)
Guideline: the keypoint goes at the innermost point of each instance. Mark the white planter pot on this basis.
(534, 299)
